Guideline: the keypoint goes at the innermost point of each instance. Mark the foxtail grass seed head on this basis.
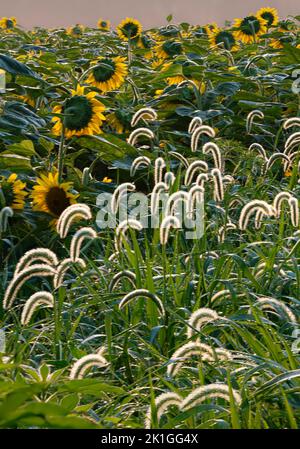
(72, 213)
(63, 267)
(218, 184)
(261, 151)
(159, 188)
(146, 114)
(261, 268)
(194, 123)
(159, 166)
(201, 179)
(195, 197)
(114, 257)
(36, 300)
(126, 274)
(250, 118)
(258, 219)
(138, 162)
(294, 207)
(278, 201)
(193, 168)
(145, 294)
(223, 354)
(81, 366)
(293, 121)
(119, 192)
(122, 228)
(173, 201)
(211, 147)
(162, 403)
(251, 208)
(221, 294)
(278, 306)
(180, 157)
(194, 348)
(204, 129)
(199, 318)
(40, 255)
(145, 132)
(223, 230)
(5, 213)
(77, 240)
(86, 176)
(169, 178)
(208, 392)
(292, 157)
(40, 270)
(295, 137)
(288, 150)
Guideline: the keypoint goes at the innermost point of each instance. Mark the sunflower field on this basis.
(135, 326)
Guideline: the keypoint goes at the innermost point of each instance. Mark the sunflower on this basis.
(13, 191)
(249, 28)
(106, 180)
(284, 39)
(108, 74)
(120, 120)
(83, 114)
(270, 15)
(223, 38)
(177, 79)
(204, 30)
(168, 49)
(103, 25)
(168, 32)
(27, 99)
(8, 23)
(50, 196)
(129, 29)
(210, 28)
(75, 31)
(146, 43)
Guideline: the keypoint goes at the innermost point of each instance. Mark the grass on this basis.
(252, 345)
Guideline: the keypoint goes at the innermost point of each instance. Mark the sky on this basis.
(57, 13)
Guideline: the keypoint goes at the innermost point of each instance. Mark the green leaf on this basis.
(91, 387)
(291, 54)
(24, 148)
(16, 68)
(173, 70)
(15, 162)
(278, 380)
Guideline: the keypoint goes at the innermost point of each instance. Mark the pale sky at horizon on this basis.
(56, 13)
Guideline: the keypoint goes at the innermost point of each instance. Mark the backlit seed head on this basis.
(145, 132)
(36, 300)
(250, 118)
(193, 168)
(87, 362)
(138, 162)
(40, 255)
(203, 129)
(72, 213)
(5, 213)
(146, 114)
(168, 222)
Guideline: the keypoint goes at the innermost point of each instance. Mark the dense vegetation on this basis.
(126, 327)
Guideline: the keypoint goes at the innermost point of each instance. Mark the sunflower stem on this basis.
(129, 52)
(61, 153)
